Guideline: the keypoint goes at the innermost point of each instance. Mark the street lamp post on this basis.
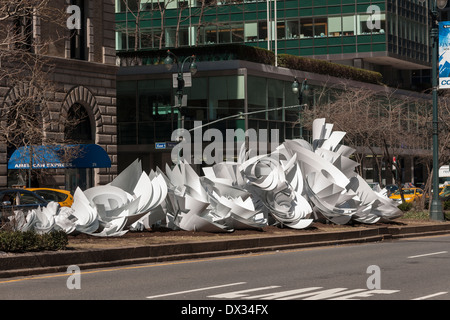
(435, 206)
(304, 89)
(168, 61)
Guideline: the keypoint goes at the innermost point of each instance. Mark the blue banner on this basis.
(444, 55)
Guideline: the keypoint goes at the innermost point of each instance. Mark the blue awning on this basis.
(52, 157)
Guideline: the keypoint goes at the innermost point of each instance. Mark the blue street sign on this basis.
(160, 145)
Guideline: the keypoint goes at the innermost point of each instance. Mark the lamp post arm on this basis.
(184, 61)
(245, 114)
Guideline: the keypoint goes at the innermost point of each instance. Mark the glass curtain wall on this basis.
(146, 114)
(242, 23)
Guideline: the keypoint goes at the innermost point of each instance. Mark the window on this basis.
(200, 34)
(281, 31)
(23, 36)
(126, 101)
(10, 198)
(132, 4)
(210, 35)
(348, 25)
(334, 26)
(367, 24)
(183, 37)
(262, 30)
(363, 25)
(256, 100)
(320, 27)
(28, 198)
(292, 29)
(132, 41)
(313, 28)
(306, 28)
(148, 5)
(237, 33)
(224, 35)
(170, 37)
(78, 43)
(154, 100)
(251, 31)
(146, 38)
(275, 98)
(119, 40)
(79, 128)
(183, 4)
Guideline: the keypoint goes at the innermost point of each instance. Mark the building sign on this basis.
(165, 145)
(160, 145)
(444, 55)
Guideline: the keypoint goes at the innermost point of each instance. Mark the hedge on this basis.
(405, 206)
(252, 54)
(328, 68)
(23, 241)
(446, 205)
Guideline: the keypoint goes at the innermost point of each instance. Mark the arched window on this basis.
(78, 131)
(78, 128)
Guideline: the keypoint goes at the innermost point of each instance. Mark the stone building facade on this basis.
(83, 74)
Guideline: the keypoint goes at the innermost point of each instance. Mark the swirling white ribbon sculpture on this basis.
(291, 186)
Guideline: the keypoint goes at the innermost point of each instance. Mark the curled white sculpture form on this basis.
(292, 186)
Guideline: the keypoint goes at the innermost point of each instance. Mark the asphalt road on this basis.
(407, 269)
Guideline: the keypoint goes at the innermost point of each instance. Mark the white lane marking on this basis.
(194, 290)
(431, 295)
(241, 293)
(427, 254)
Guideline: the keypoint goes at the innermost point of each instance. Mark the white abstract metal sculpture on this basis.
(291, 186)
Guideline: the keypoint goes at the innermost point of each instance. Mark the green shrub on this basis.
(252, 54)
(18, 241)
(328, 68)
(447, 215)
(405, 206)
(446, 205)
(417, 215)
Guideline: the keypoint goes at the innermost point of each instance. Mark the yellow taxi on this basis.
(63, 197)
(410, 195)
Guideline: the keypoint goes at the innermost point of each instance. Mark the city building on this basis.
(78, 47)
(390, 37)
(387, 37)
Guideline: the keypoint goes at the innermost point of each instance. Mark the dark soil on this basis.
(164, 235)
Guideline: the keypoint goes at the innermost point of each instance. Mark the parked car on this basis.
(444, 195)
(18, 199)
(420, 185)
(410, 195)
(391, 188)
(63, 197)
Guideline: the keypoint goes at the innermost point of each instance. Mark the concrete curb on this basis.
(47, 262)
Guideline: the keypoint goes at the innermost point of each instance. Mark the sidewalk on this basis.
(27, 264)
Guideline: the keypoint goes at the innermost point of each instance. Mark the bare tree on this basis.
(376, 123)
(26, 68)
(135, 8)
(426, 129)
(197, 10)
